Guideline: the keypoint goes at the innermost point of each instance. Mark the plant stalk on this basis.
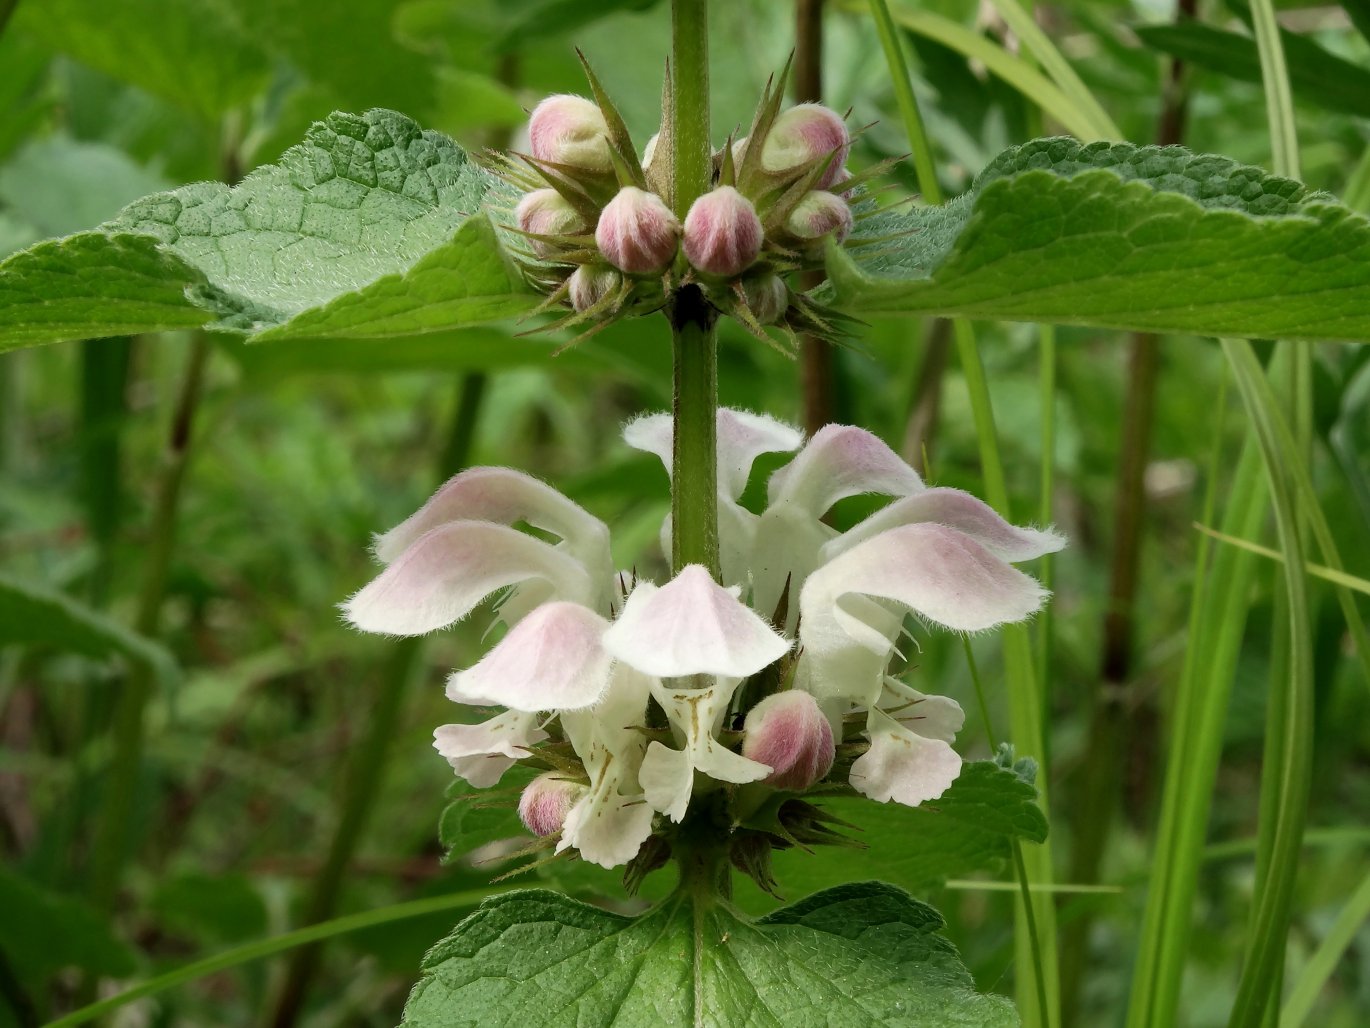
(818, 366)
(694, 343)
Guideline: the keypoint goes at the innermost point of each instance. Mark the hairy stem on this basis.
(816, 356)
(694, 457)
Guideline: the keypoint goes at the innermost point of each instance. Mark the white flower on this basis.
(588, 649)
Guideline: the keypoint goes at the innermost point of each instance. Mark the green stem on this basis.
(692, 167)
(694, 458)
(263, 948)
(923, 165)
(367, 771)
(112, 838)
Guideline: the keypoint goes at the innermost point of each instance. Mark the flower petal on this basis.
(690, 626)
(941, 574)
(667, 780)
(551, 660)
(447, 571)
(932, 717)
(607, 829)
(482, 753)
(902, 766)
(955, 509)
(841, 461)
(742, 437)
(503, 496)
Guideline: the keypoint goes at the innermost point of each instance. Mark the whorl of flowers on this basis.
(649, 704)
(592, 211)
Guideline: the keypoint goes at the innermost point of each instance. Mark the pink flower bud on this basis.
(723, 235)
(818, 214)
(788, 733)
(637, 232)
(545, 212)
(589, 285)
(570, 130)
(802, 134)
(767, 298)
(546, 802)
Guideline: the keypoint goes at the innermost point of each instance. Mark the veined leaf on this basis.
(1120, 236)
(371, 228)
(867, 950)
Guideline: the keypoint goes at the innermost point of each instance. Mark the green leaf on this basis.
(967, 830)
(371, 228)
(43, 932)
(1125, 237)
(472, 820)
(197, 54)
(1316, 76)
(863, 954)
(30, 615)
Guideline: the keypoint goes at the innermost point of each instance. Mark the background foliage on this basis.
(285, 774)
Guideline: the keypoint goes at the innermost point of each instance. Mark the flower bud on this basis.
(546, 802)
(723, 235)
(788, 733)
(589, 285)
(545, 212)
(767, 298)
(570, 130)
(637, 232)
(818, 214)
(805, 133)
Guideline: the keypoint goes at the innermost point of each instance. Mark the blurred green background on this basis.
(256, 743)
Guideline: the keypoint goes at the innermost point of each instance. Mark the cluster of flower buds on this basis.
(644, 705)
(599, 233)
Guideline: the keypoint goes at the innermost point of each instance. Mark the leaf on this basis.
(195, 53)
(1125, 237)
(472, 820)
(44, 931)
(1316, 76)
(371, 228)
(863, 954)
(969, 829)
(31, 615)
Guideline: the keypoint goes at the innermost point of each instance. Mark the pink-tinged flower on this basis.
(790, 734)
(589, 285)
(742, 438)
(571, 130)
(692, 626)
(723, 234)
(819, 214)
(545, 212)
(637, 233)
(903, 766)
(803, 134)
(546, 801)
(482, 753)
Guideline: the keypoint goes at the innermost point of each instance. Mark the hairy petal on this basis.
(692, 625)
(551, 660)
(937, 572)
(441, 577)
(933, 717)
(742, 437)
(503, 496)
(902, 766)
(482, 753)
(955, 509)
(841, 461)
